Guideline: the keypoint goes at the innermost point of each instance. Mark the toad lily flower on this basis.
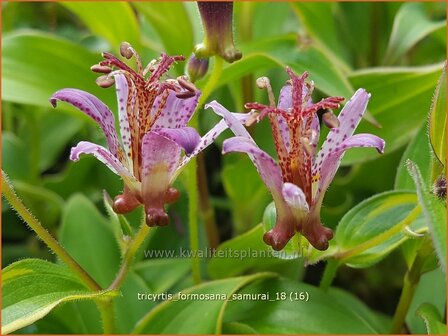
(299, 181)
(153, 115)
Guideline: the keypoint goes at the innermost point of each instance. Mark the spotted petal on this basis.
(186, 137)
(332, 161)
(230, 118)
(349, 119)
(106, 157)
(122, 88)
(176, 112)
(295, 197)
(94, 108)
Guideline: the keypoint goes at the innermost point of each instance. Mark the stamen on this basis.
(105, 81)
(306, 145)
(264, 83)
(126, 50)
(101, 68)
(330, 120)
(186, 84)
(253, 118)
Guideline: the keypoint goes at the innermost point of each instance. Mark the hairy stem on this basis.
(106, 309)
(44, 235)
(410, 282)
(329, 274)
(381, 237)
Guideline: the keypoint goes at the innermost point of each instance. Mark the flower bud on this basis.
(197, 68)
(217, 20)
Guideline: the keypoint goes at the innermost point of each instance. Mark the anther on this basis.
(264, 83)
(101, 69)
(187, 85)
(306, 145)
(253, 118)
(126, 50)
(105, 81)
(330, 120)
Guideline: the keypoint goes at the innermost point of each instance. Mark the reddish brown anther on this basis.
(105, 81)
(101, 69)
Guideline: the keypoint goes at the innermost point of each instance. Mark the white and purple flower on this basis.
(153, 116)
(300, 179)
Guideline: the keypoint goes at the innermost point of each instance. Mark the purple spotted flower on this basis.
(299, 181)
(153, 114)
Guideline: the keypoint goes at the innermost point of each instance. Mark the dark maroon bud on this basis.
(439, 188)
(124, 203)
(217, 20)
(126, 50)
(101, 69)
(105, 81)
(197, 67)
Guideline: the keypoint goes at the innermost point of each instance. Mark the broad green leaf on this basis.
(418, 151)
(400, 102)
(430, 283)
(172, 23)
(379, 219)
(195, 316)
(437, 120)
(433, 320)
(246, 192)
(102, 19)
(320, 23)
(410, 26)
(283, 51)
(434, 211)
(246, 252)
(89, 238)
(35, 65)
(31, 288)
(322, 313)
(15, 157)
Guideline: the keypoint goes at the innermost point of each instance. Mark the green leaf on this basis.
(430, 283)
(320, 23)
(342, 313)
(31, 288)
(35, 65)
(89, 239)
(437, 120)
(194, 316)
(281, 52)
(378, 219)
(246, 192)
(102, 21)
(400, 103)
(172, 23)
(411, 25)
(434, 211)
(15, 158)
(418, 151)
(248, 253)
(432, 318)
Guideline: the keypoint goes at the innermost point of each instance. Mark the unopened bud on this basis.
(105, 81)
(197, 67)
(126, 50)
(330, 120)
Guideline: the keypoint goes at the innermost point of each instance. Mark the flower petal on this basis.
(230, 118)
(94, 108)
(349, 119)
(176, 112)
(122, 88)
(160, 158)
(267, 168)
(295, 197)
(106, 157)
(328, 167)
(186, 137)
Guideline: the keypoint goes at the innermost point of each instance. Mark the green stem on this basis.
(381, 237)
(106, 309)
(410, 283)
(129, 256)
(329, 273)
(44, 235)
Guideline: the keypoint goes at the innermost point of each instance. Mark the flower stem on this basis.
(329, 273)
(410, 282)
(132, 249)
(381, 237)
(106, 309)
(10, 195)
